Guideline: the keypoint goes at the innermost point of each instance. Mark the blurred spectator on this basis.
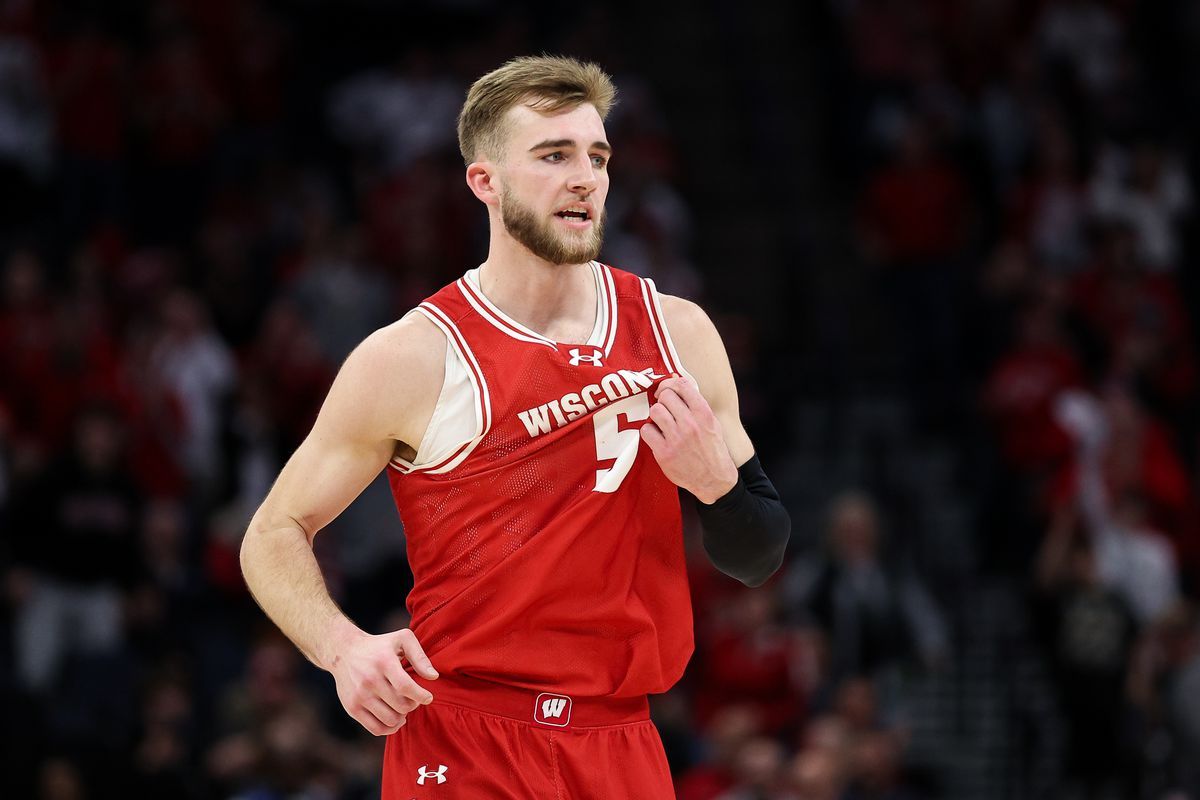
(728, 729)
(155, 414)
(181, 111)
(758, 770)
(1130, 558)
(75, 551)
(197, 365)
(394, 117)
(1147, 188)
(816, 775)
(163, 758)
(287, 358)
(1085, 37)
(60, 779)
(1136, 458)
(749, 659)
(166, 603)
(340, 296)
(1048, 209)
(1008, 114)
(1137, 323)
(1019, 393)
(915, 214)
(90, 76)
(877, 770)
(414, 221)
(25, 119)
(1088, 630)
(273, 743)
(875, 614)
(1164, 686)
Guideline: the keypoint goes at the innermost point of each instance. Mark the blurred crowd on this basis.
(205, 204)
(1028, 176)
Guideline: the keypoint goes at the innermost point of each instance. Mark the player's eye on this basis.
(600, 162)
(553, 158)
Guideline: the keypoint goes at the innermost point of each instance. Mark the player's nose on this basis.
(583, 177)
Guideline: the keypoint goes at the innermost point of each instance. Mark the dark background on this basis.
(948, 245)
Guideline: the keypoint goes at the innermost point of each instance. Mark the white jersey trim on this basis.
(443, 447)
(608, 288)
(604, 329)
(658, 324)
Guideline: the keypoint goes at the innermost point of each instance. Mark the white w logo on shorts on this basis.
(424, 773)
(553, 707)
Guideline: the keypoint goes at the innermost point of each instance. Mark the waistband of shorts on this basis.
(544, 709)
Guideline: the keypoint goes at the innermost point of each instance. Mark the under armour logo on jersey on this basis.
(424, 773)
(552, 709)
(593, 358)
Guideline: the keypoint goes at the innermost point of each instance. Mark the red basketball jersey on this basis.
(547, 551)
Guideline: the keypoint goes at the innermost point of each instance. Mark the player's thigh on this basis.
(445, 752)
(621, 762)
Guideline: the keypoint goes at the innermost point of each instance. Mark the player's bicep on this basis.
(321, 479)
(703, 355)
(340, 456)
(384, 385)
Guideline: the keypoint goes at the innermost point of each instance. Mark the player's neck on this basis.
(556, 300)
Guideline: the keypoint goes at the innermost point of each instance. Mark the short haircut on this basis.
(546, 83)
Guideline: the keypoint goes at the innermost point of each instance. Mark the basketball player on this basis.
(536, 418)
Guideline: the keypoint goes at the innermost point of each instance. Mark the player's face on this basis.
(555, 181)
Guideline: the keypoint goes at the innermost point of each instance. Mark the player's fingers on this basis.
(403, 689)
(653, 437)
(663, 419)
(376, 726)
(411, 649)
(689, 393)
(400, 685)
(671, 400)
(674, 384)
(389, 717)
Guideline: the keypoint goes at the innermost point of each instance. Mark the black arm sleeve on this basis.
(746, 530)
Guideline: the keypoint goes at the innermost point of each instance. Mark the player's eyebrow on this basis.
(597, 145)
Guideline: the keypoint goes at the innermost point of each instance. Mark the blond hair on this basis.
(546, 83)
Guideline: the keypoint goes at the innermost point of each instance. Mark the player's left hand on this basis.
(687, 441)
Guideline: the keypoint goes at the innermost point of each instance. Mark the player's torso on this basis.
(542, 521)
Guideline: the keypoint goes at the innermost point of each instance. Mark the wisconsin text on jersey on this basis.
(572, 405)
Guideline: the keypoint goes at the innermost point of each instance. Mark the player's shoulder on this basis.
(411, 349)
(685, 319)
(391, 381)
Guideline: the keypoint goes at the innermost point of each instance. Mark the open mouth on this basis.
(574, 215)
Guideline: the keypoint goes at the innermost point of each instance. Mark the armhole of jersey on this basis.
(662, 335)
(463, 411)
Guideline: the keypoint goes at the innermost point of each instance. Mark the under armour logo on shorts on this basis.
(552, 709)
(593, 358)
(424, 773)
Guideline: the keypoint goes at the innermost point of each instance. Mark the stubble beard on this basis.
(541, 239)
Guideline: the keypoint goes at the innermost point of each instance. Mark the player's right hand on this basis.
(371, 681)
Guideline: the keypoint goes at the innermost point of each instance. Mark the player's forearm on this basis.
(286, 581)
(747, 530)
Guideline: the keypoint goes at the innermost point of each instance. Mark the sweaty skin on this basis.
(384, 395)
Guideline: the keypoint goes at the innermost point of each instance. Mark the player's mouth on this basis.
(576, 217)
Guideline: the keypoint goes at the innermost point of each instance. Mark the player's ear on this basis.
(481, 180)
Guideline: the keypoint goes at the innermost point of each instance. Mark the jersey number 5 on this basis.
(616, 442)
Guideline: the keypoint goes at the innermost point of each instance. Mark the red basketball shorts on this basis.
(482, 741)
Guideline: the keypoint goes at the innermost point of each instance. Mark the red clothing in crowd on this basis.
(1020, 394)
(917, 211)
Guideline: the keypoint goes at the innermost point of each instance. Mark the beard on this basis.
(543, 240)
